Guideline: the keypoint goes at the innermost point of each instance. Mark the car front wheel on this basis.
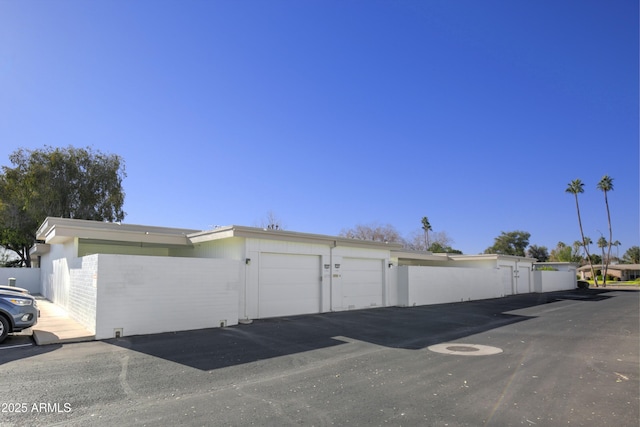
(4, 328)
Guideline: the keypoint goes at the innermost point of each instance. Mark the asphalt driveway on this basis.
(565, 358)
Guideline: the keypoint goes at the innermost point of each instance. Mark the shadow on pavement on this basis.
(394, 327)
(17, 347)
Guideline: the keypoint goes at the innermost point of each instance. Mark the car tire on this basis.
(4, 328)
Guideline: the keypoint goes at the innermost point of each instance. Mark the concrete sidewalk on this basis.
(56, 327)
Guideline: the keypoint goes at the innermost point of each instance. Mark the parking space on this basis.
(22, 339)
(564, 358)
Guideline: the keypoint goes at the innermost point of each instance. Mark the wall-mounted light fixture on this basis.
(247, 261)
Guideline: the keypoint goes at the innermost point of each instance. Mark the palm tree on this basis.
(602, 243)
(426, 227)
(617, 245)
(605, 185)
(576, 187)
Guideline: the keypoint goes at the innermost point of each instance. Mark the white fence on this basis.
(148, 294)
(550, 281)
(135, 295)
(138, 295)
(439, 285)
(28, 278)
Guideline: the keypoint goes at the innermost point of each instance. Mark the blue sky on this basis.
(337, 113)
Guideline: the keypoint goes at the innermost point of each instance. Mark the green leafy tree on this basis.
(564, 253)
(605, 185)
(632, 255)
(439, 248)
(510, 243)
(61, 182)
(576, 187)
(541, 253)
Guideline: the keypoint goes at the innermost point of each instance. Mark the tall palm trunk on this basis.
(606, 184)
(584, 243)
(606, 263)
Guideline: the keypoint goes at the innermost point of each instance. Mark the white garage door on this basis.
(361, 283)
(289, 285)
(506, 274)
(522, 283)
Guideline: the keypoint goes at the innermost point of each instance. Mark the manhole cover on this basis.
(465, 349)
(462, 348)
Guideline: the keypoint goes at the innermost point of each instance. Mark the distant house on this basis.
(623, 272)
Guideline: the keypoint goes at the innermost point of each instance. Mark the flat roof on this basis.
(59, 230)
(490, 257)
(295, 236)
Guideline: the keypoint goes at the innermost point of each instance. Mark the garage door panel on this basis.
(506, 274)
(362, 283)
(289, 291)
(275, 261)
(289, 284)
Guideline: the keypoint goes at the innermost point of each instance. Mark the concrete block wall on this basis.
(147, 295)
(28, 278)
(439, 285)
(54, 273)
(81, 305)
(550, 281)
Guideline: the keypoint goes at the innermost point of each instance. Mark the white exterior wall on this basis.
(439, 285)
(55, 276)
(27, 278)
(147, 294)
(69, 282)
(250, 288)
(121, 249)
(81, 302)
(550, 281)
(331, 260)
(231, 248)
(521, 275)
(341, 296)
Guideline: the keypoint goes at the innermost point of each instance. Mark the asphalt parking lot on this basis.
(564, 358)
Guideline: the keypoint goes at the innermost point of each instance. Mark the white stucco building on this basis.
(135, 279)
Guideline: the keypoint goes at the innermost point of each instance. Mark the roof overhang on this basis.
(39, 249)
(61, 230)
(289, 236)
(491, 257)
(557, 263)
(419, 256)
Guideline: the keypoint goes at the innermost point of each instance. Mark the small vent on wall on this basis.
(117, 333)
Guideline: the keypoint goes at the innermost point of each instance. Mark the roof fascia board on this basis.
(418, 255)
(490, 257)
(290, 236)
(61, 230)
